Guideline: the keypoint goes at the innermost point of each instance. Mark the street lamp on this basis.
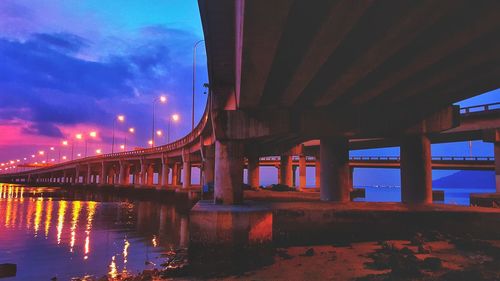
(194, 78)
(162, 99)
(92, 134)
(120, 118)
(131, 131)
(175, 117)
(98, 151)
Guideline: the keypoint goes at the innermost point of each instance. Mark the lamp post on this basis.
(92, 134)
(120, 118)
(175, 118)
(194, 79)
(131, 131)
(161, 99)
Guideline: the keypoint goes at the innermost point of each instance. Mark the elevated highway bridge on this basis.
(351, 74)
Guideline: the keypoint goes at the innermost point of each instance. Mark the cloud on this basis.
(43, 129)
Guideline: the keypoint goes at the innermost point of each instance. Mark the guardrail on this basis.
(392, 158)
(480, 108)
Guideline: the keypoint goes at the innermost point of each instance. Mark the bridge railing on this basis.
(480, 108)
(392, 158)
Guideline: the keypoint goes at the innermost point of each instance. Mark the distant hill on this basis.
(467, 179)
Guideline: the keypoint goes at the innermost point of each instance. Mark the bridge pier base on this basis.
(317, 172)
(416, 170)
(253, 171)
(228, 172)
(164, 173)
(334, 156)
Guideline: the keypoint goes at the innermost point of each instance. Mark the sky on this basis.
(72, 66)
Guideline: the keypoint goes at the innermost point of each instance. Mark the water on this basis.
(455, 196)
(59, 237)
(64, 235)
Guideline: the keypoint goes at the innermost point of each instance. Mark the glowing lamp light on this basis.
(41, 152)
(43, 161)
(64, 157)
(79, 136)
(131, 130)
(159, 133)
(18, 160)
(175, 117)
(32, 155)
(93, 134)
(65, 143)
(98, 151)
(3, 164)
(79, 155)
(52, 160)
(24, 158)
(150, 142)
(163, 99)
(121, 118)
(122, 146)
(36, 163)
(52, 148)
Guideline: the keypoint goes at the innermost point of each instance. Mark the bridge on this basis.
(351, 74)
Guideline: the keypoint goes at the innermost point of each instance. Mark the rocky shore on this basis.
(430, 257)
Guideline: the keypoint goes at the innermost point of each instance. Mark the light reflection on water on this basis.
(52, 237)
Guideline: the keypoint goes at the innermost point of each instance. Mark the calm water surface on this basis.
(59, 237)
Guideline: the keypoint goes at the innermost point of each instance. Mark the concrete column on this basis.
(151, 172)
(209, 166)
(164, 172)
(334, 155)
(144, 169)
(77, 175)
(302, 171)
(111, 175)
(186, 170)
(318, 172)
(102, 175)
(228, 172)
(88, 180)
(253, 171)
(123, 174)
(175, 174)
(497, 165)
(286, 170)
(416, 170)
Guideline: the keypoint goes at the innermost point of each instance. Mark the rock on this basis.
(308, 253)
(432, 263)
(8, 270)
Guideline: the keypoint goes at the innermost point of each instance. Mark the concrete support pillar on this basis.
(124, 174)
(416, 170)
(497, 165)
(102, 174)
(164, 172)
(253, 171)
(228, 172)
(111, 175)
(302, 171)
(144, 169)
(151, 172)
(334, 155)
(175, 174)
(77, 175)
(88, 180)
(186, 170)
(286, 170)
(318, 172)
(209, 166)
